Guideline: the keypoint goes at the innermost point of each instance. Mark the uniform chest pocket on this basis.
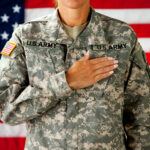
(122, 55)
(39, 61)
(99, 87)
(58, 55)
(117, 78)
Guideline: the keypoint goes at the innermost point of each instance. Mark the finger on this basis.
(86, 57)
(102, 76)
(105, 70)
(104, 64)
(102, 59)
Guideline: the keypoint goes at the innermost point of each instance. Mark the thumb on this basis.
(86, 57)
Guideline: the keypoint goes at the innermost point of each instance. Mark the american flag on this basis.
(13, 12)
(8, 48)
(11, 15)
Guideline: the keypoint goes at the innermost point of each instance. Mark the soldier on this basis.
(79, 80)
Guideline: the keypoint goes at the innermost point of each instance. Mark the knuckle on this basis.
(96, 66)
(111, 62)
(109, 68)
(103, 69)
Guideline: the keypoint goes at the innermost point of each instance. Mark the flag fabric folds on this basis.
(15, 12)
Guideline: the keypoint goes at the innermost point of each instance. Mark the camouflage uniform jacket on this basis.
(33, 87)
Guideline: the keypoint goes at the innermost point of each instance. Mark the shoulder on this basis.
(35, 25)
(113, 24)
(115, 29)
(109, 20)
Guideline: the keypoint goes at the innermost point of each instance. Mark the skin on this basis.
(72, 10)
(84, 72)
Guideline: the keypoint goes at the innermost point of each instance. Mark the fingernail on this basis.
(116, 66)
(111, 72)
(110, 58)
(116, 61)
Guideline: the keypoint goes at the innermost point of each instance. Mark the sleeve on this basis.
(136, 113)
(20, 101)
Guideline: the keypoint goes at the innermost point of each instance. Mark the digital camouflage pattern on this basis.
(33, 87)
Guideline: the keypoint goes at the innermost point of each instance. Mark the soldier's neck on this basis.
(74, 17)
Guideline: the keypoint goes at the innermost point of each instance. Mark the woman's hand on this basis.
(85, 72)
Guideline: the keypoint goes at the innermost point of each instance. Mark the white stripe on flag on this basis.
(12, 131)
(131, 16)
(31, 14)
(145, 43)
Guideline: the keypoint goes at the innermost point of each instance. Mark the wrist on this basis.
(70, 83)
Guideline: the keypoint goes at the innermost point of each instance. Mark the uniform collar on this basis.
(93, 34)
(54, 29)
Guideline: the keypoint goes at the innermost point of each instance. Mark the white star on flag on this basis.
(16, 9)
(4, 35)
(15, 25)
(5, 18)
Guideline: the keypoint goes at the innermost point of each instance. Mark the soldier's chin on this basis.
(74, 4)
(74, 7)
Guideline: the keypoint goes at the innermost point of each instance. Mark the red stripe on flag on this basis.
(12, 143)
(120, 4)
(1, 121)
(148, 57)
(101, 4)
(38, 3)
(142, 30)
